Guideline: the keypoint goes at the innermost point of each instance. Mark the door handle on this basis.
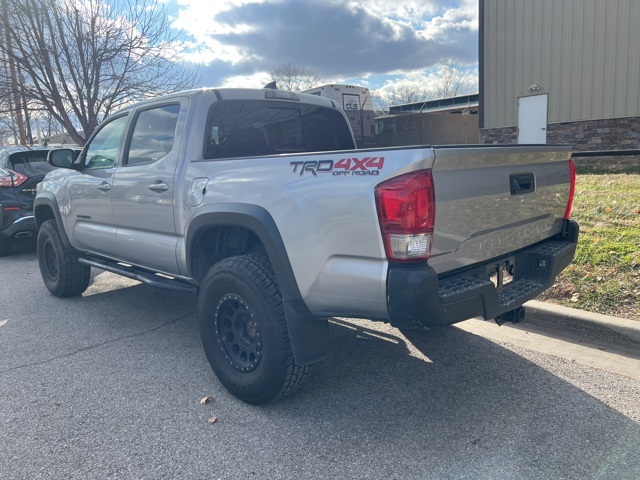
(159, 186)
(104, 187)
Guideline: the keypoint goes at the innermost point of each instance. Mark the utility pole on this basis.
(14, 79)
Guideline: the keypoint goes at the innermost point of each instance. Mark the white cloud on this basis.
(339, 39)
(454, 20)
(256, 80)
(198, 18)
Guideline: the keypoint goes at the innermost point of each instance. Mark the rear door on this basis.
(144, 188)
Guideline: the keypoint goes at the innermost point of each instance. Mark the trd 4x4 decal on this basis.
(343, 167)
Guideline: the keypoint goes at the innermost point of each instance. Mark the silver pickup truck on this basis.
(258, 201)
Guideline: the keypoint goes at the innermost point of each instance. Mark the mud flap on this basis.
(310, 338)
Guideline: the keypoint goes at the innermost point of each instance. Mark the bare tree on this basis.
(8, 127)
(407, 93)
(399, 95)
(292, 77)
(452, 79)
(82, 59)
(379, 103)
(7, 133)
(455, 79)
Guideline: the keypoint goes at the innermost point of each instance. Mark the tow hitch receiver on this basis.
(514, 316)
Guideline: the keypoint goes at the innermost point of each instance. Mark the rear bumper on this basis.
(418, 297)
(22, 226)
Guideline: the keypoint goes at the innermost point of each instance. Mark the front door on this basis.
(89, 216)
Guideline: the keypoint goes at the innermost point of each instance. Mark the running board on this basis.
(145, 276)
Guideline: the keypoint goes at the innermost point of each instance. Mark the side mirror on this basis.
(62, 158)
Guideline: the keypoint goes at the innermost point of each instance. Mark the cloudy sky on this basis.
(375, 43)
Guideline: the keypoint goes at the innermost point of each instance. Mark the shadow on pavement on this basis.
(107, 385)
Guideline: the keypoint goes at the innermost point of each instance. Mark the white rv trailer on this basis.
(357, 104)
(349, 97)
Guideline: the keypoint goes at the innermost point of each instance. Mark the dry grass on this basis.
(605, 274)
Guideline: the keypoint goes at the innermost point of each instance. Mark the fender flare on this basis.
(259, 221)
(309, 335)
(47, 199)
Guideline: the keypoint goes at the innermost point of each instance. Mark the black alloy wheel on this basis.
(244, 330)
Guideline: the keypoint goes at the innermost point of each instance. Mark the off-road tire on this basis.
(244, 331)
(62, 273)
(5, 246)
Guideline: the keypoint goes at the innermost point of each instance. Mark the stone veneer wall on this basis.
(606, 134)
(499, 135)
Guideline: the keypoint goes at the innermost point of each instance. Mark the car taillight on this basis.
(572, 190)
(9, 178)
(406, 211)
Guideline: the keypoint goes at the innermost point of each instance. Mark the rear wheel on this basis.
(5, 246)
(62, 273)
(244, 331)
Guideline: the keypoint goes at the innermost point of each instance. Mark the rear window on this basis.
(243, 128)
(30, 163)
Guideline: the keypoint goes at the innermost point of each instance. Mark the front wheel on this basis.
(62, 273)
(244, 331)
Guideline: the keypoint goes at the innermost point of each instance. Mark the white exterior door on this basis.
(532, 119)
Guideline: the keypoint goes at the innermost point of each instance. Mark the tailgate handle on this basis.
(522, 183)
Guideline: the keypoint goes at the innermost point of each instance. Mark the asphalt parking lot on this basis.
(108, 386)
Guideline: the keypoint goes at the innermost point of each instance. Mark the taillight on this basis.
(9, 178)
(406, 211)
(572, 190)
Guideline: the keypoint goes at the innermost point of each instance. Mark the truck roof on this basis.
(239, 94)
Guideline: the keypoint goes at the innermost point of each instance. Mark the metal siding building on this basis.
(584, 54)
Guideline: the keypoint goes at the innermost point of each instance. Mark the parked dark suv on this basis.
(21, 168)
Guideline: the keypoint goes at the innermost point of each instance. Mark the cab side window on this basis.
(102, 152)
(153, 134)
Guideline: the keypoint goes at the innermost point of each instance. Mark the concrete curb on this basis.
(629, 328)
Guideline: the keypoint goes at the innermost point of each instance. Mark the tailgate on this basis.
(495, 200)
